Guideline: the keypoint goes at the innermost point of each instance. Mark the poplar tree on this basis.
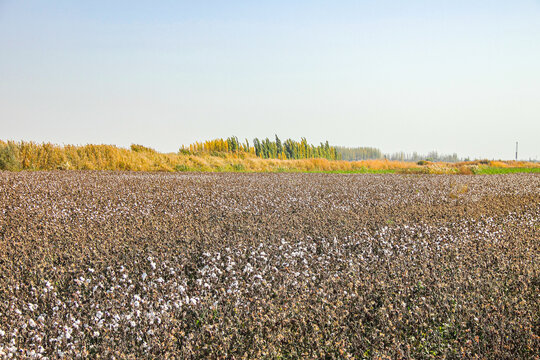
(279, 147)
(257, 145)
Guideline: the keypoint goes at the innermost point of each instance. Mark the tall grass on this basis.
(16, 156)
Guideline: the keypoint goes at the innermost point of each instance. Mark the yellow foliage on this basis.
(498, 164)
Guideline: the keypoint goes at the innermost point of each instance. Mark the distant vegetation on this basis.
(211, 156)
(359, 153)
(431, 156)
(366, 153)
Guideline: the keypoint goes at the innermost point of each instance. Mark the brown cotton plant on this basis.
(132, 265)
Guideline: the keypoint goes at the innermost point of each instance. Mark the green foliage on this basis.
(233, 144)
(181, 167)
(238, 167)
(279, 147)
(491, 170)
(290, 149)
(8, 159)
(220, 154)
(267, 149)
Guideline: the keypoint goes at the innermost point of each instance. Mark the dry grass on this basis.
(33, 156)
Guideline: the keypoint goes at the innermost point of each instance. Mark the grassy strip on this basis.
(491, 170)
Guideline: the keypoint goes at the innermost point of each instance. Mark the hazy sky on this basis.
(453, 76)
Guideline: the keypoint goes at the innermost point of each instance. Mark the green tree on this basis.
(279, 147)
(258, 147)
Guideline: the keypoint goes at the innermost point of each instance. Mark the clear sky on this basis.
(452, 76)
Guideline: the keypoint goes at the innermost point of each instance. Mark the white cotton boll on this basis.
(31, 323)
(144, 276)
(248, 268)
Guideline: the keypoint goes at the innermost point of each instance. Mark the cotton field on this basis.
(121, 265)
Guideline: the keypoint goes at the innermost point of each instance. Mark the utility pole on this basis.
(516, 149)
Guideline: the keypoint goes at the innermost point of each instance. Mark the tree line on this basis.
(266, 148)
(431, 156)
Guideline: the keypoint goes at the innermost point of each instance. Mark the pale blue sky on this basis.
(451, 76)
